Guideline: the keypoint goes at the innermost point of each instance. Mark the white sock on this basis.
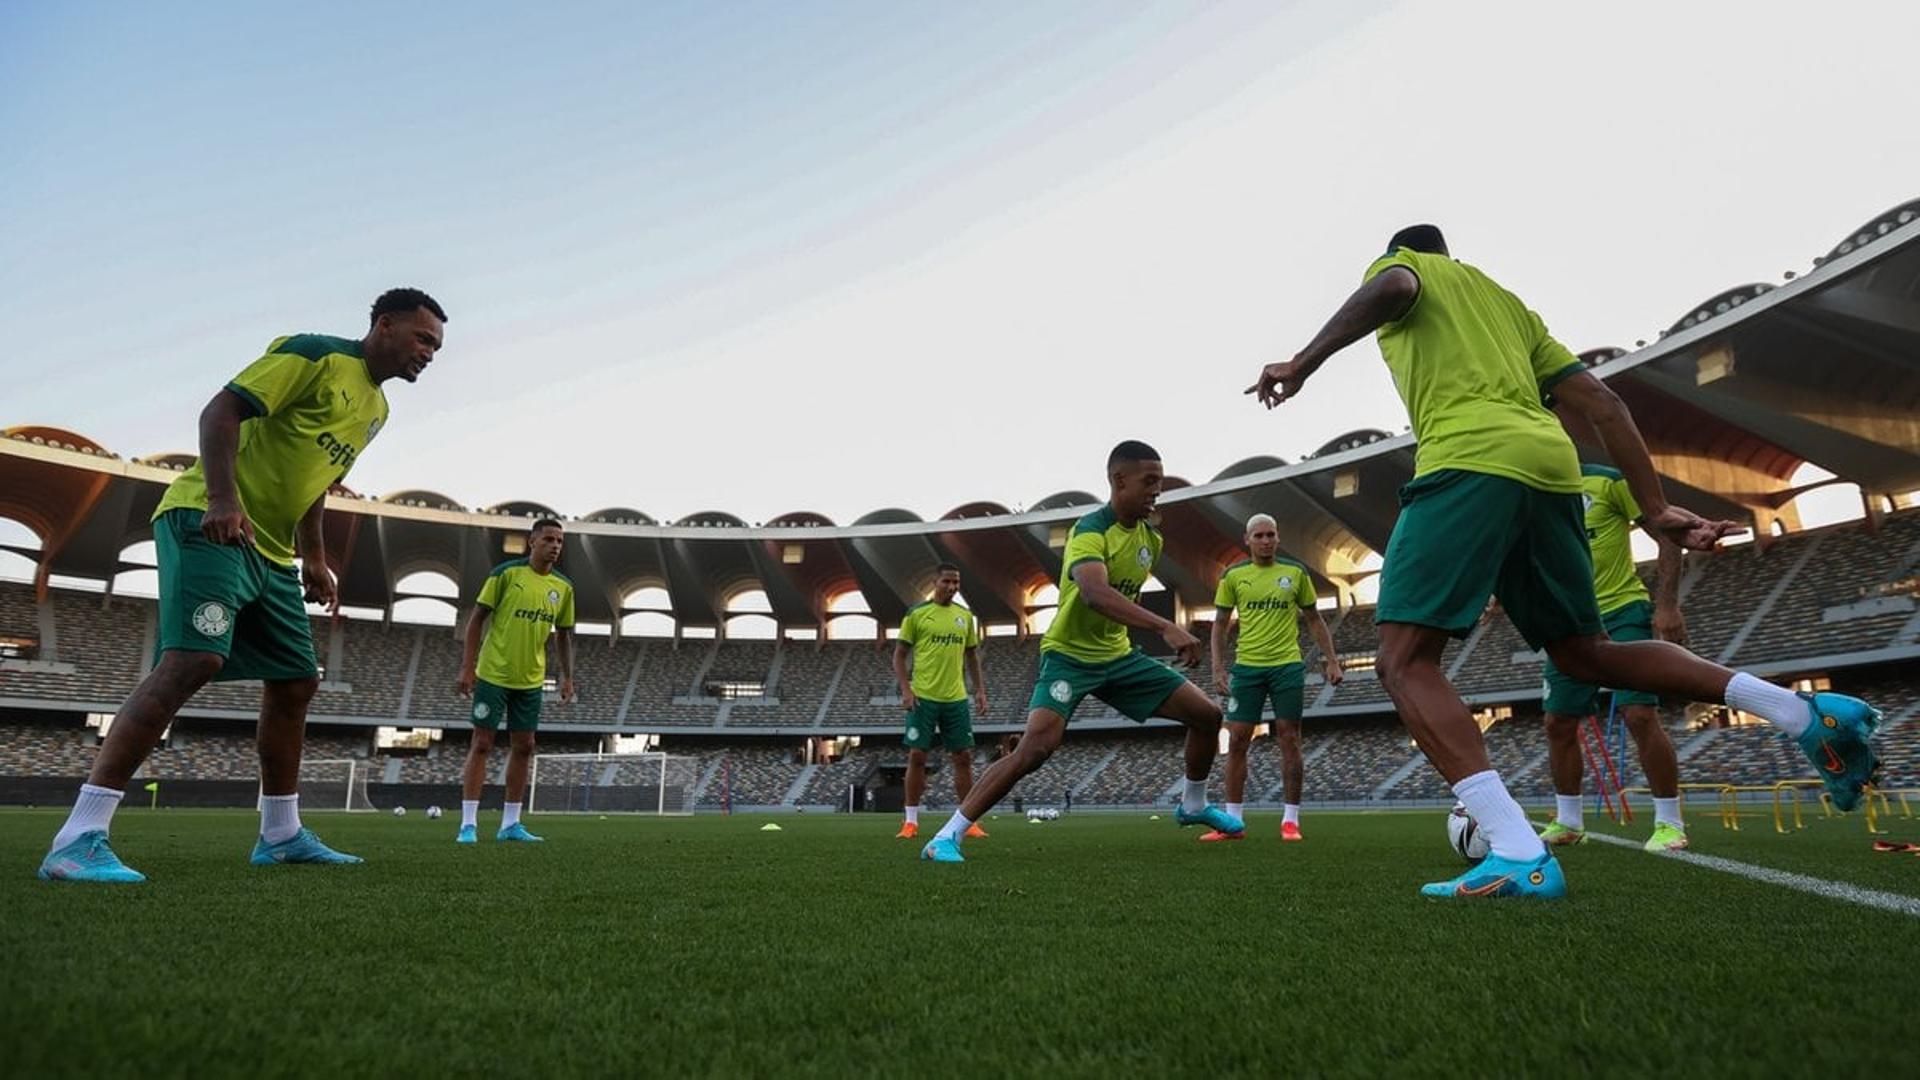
(1194, 799)
(279, 817)
(1571, 811)
(1777, 705)
(955, 828)
(469, 813)
(93, 810)
(1291, 815)
(1237, 809)
(511, 817)
(1667, 812)
(913, 815)
(1505, 824)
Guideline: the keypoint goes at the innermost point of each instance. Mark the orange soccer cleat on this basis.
(975, 832)
(1216, 834)
(1290, 831)
(908, 830)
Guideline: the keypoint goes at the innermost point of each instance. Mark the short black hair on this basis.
(545, 523)
(945, 568)
(1423, 238)
(1132, 450)
(401, 301)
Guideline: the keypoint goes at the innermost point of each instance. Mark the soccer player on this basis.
(1110, 554)
(1270, 595)
(1627, 613)
(522, 603)
(940, 636)
(1494, 508)
(228, 532)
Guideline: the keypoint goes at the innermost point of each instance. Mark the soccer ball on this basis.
(399, 811)
(1464, 834)
(433, 813)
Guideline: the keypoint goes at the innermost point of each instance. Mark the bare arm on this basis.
(1385, 297)
(315, 574)
(224, 522)
(1668, 623)
(900, 674)
(564, 646)
(476, 633)
(1598, 405)
(1221, 616)
(1091, 577)
(979, 679)
(1323, 637)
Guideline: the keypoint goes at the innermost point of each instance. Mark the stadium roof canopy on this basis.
(1744, 389)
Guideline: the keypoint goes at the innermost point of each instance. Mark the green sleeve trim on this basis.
(1591, 469)
(248, 398)
(316, 347)
(1555, 379)
(1082, 561)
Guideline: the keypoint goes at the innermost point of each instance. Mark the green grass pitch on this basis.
(1099, 945)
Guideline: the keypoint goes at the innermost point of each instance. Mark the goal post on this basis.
(334, 784)
(648, 782)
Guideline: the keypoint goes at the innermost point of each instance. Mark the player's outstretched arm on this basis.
(1385, 297)
(1596, 403)
(224, 522)
(1101, 596)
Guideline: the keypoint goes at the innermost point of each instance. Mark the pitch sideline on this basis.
(1832, 890)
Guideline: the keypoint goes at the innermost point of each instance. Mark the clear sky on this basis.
(781, 256)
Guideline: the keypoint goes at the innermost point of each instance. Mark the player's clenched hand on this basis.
(1222, 684)
(980, 702)
(1690, 530)
(908, 700)
(1335, 673)
(225, 523)
(1184, 645)
(566, 690)
(1279, 381)
(1670, 625)
(464, 683)
(319, 584)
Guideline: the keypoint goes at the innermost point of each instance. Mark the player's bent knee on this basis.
(1561, 727)
(185, 672)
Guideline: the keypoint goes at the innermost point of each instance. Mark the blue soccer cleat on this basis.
(1836, 743)
(1212, 817)
(467, 835)
(942, 849)
(88, 858)
(301, 847)
(1494, 876)
(517, 833)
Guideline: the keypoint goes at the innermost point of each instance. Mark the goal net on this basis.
(334, 784)
(601, 783)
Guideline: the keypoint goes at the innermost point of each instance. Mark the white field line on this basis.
(1832, 890)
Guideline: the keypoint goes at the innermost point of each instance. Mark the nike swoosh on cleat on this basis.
(1834, 764)
(1488, 889)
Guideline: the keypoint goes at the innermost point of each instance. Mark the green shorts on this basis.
(231, 600)
(1463, 536)
(1136, 684)
(1252, 687)
(1629, 622)
(520, 708)
(951, 721)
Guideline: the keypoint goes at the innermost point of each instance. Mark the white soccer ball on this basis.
(399, 811)
(1464, 834)
(433, 813)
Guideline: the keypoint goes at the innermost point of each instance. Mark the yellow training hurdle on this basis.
(1784, 794)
